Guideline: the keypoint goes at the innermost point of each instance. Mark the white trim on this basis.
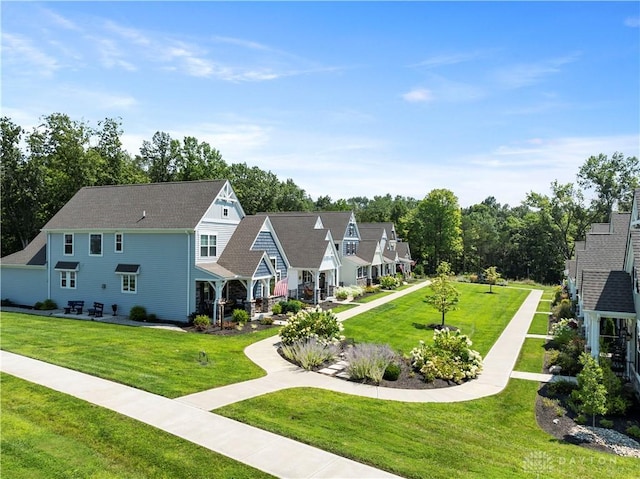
(135, 283)
(101, 244)
(68, 275)
(208, 245)
(115, 242)
(64, 244)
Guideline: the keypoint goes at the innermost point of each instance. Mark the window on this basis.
(362, 272)
(208, 246)
(68, 279)
(225, 212)
(129, 284)
(119, 243)
(350, 248)
(68, 244)
(274, 263)
(307, 277)
(95, 244)
(352, 230)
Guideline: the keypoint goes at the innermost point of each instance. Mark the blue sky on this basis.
(347, 99)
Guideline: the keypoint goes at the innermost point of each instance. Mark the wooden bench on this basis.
(74, 306)
(97, 309)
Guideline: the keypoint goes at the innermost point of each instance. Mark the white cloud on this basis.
(446, 59)
(527, 74)
(418, 95)
(20, 50)
(61, 21)
(633, 22)
(131, 34)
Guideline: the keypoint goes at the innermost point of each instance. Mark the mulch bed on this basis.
(231, 330)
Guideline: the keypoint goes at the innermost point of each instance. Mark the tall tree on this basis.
(197, 161)
(433, 228)
(444, 296)
(158, 158)
(20, 182)
(613, 180)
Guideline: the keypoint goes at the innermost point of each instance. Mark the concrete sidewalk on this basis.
(263, 450)
(498, 365)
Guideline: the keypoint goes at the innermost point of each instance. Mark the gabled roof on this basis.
(367, 250)
(303, 244)
(173, 205)
(402, 247)
(374, 231)
(238, 255)
(607, 291)
(337, 222)
(35, 254)
(604, 251)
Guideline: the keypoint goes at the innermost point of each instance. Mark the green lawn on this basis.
(372, 297)
(544, 306)
(47, 434)
(401, 323)
(531, 358)
(494, 437)
(539, 324)
(159, 361)
(343, 307)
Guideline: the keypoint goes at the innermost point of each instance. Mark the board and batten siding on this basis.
(162, 282)
(24, 285)
(265, 242)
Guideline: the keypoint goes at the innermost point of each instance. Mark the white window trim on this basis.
(101, 244)
(64, 244)
(66, 274)
(128, 275)
(115, 243)
(208, 246)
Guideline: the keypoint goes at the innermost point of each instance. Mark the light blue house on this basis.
(156, 245)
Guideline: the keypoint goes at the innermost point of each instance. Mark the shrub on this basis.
(372, 289)
(138, 313)
(449, 357)
(564, 310)
(581, 419)
(617, 403)
(633, 431)
(323, 325)
(290, 306)
(48, 304)
(239, 316)
(201, 322)
(568, 358)
(418, 270)
(277, 308)
(368, 361)
(561, 388)
(606, 423)
(6, 302)
(342, 293)
(153, 317)
(389, 282)
(392, 373)
(266, 320)
(38, 305)
(552, 357)
(309, 353)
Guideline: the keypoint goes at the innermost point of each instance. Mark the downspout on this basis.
(49, 264)
(188, 272)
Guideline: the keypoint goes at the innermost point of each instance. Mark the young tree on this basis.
(492, 276)
(591, 392)
(445, 296)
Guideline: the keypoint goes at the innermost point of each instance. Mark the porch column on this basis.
(218, 286)
(316, 287)
(594, 339)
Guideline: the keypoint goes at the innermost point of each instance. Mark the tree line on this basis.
(42, 169)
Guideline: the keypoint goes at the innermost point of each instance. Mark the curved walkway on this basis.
(498, 367)
(188, 417)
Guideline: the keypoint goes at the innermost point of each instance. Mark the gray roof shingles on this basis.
(164, 205)
(607, 291)
(35, 254)
(238, 255)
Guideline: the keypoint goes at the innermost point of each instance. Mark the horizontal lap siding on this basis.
(23, 286)
(161, 284)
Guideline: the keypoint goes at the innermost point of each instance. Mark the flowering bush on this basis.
(309, 353)
(369, 361)
(201, 322)
(450, 357)
(343, 292)
(314, 323)
(389, 282)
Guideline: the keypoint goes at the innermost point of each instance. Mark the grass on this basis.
(371, 297)
(540, 324)
(47, 434)
(544, 307)
(531, 356)
(159, 361)
(495, 437)
(343, 307)
(401, 323)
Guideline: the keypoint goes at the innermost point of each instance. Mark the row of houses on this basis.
(185, 247)
(604, 281)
